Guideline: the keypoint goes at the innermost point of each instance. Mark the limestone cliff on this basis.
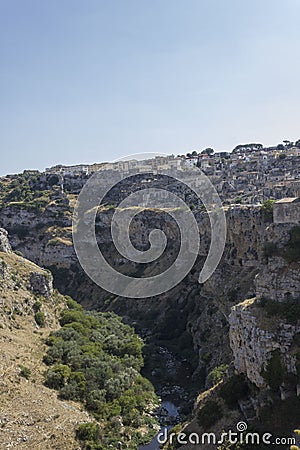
(270, 320)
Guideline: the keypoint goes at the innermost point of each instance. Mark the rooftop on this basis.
(289, 200)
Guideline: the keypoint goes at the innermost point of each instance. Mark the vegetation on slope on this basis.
(96, 359)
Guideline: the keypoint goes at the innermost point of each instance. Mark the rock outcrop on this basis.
(253, 342)
(256, 331)
(41, 283)
(4, 242)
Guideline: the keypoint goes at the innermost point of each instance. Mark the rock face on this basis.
(4, 242)
(41, 284)
(255, 334)
(252, 344)
(278, 280)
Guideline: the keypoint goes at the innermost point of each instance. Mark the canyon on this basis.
(245, 316)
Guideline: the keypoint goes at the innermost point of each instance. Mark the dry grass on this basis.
(31, 415)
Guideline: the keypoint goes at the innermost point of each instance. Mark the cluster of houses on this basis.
(250, 173)
(241, 154)
(158, 163)
(208, 161)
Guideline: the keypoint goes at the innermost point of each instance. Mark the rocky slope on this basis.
(31, 414)
(264, 336)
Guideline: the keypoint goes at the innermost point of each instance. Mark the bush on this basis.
(275, 371)
(209, 414)
(88, 431)
(217, 374)
(234, 389)
(72, 304)
(39, 317)
(25, 372)
(37, 306)
(54, 179)
(96, 359)
(267, 210)
(238, 200)
(298, 364)
(58, 376)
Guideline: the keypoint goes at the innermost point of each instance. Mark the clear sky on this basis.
(94, 80)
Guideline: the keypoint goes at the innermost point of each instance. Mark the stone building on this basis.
(287, 210)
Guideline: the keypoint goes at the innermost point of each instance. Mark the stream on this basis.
(171, 415)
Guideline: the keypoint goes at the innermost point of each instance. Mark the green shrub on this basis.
(96, 359)
(217, 374)
(37, 306)
(58, 376)
(25, 372)
(53, 179)
(209, 414)
(267, 210)
(234, 389)
(20, 230)
(39, 317)
(238, 200)
(88, 432)
(275, 371)
(233, 295)
(72, 304)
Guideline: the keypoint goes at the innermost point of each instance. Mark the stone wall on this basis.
(287, 211)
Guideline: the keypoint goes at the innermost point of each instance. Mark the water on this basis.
(172, 412)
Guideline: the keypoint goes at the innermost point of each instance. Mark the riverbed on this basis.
(172, 412)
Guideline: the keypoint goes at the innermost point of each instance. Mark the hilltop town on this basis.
(250, 174)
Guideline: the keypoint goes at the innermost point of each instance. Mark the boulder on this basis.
(4, 242)
(41, 283)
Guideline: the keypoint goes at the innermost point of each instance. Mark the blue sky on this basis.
(94, 80)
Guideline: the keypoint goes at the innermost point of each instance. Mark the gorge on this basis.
(244, 319)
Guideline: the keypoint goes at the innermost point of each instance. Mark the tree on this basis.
(252, 146)
(217, 374)
(209, 151)
(288, 143)
(39, 317)
(275, 371)
(57, 376)
(194, 153)
(282, 156)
